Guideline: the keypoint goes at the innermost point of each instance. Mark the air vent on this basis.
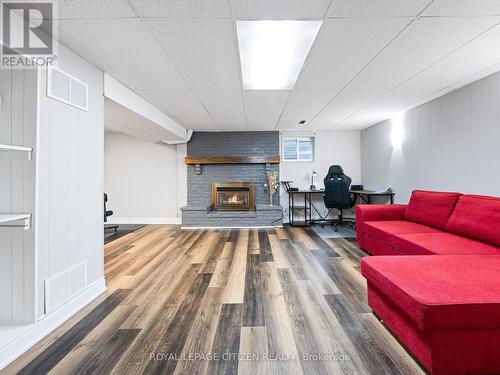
(64, 285)
(65, 88)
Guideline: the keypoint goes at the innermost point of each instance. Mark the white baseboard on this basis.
(49, 323)
(144, 220)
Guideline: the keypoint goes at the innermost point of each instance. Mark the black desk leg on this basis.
(369, 199)
(310, 209)
(392, 199)
(305, 208)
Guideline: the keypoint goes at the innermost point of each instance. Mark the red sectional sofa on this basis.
(443, 301)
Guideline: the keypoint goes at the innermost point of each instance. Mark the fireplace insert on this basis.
(232, 196)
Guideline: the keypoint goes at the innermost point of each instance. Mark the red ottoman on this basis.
(444, 309)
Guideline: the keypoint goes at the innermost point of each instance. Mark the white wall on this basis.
(451, 143)
(69, 178)
(331, 147)
(140, 180)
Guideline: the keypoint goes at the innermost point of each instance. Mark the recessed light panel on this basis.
(272, 53)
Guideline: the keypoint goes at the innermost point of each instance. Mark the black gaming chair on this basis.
(337, 194)
(106, 214)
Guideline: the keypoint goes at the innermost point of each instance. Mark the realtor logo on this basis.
(27, 33)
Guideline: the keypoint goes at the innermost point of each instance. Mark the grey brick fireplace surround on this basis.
(198, 212)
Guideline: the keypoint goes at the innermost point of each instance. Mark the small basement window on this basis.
(298, 148)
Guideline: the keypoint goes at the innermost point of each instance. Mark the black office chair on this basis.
(106, 214)
(337, 195)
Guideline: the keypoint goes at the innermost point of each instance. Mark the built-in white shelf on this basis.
(29, 150)
(8, 220)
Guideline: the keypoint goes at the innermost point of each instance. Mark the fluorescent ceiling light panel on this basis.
(272, 53)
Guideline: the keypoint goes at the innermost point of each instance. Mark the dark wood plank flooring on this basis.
(258, 301)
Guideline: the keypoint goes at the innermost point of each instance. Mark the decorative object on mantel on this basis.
(272, 184)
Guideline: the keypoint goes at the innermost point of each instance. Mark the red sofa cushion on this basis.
(441, 244)
(384, 230)
(431, 208)
(440, 292)
(477, 217)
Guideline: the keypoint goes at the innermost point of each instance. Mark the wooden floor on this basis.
(281, 301)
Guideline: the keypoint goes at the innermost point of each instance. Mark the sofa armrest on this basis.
(375, 212)
(372, 212)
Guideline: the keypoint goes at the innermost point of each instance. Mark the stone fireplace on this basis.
(227, 181)
(232, 196)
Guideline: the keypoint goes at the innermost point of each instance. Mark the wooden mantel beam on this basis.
(199, 160)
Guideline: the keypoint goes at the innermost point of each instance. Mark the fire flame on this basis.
(234, 199)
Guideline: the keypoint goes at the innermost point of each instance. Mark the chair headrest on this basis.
(335, 170)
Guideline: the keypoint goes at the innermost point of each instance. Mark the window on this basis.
(298, 148)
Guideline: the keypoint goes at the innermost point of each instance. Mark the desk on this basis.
(308, 206)
(366, 195)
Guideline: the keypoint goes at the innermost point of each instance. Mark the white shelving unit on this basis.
(9, 220)
(29, 150)
(18, 137)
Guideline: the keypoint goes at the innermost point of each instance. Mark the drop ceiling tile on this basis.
(422, 44)
(260, 123)
(377, 8)
(114, 37)
(475, 57)
(138, 61)
(279, 9)
(199, 120)
(94, 9)
(291, 124)
(222, 103)
(343, 47)
(401, 99)
(182, 8)
(204, 51)
(230, 123)
(140, 73)
(198, 124)
(386, 107)
(347, 103)
(265, 104)
(360, 122)
(305, 104)
(73, 44)
(463, 8)
(178, 104)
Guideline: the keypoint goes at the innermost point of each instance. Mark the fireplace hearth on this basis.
(233, 196)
